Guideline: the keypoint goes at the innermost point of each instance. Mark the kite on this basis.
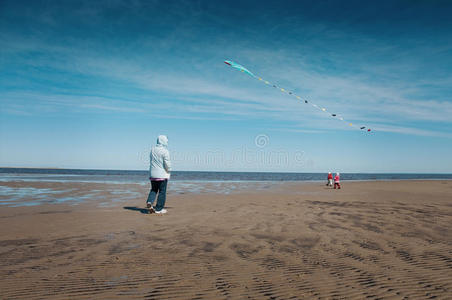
(245, 70)
(237, 66)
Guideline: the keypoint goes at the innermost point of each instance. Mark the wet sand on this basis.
(369, 240)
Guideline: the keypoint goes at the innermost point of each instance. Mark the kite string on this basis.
(245, 70)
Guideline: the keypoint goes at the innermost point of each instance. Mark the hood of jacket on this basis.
(162, 140)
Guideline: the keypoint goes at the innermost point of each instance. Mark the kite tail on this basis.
(334, 115)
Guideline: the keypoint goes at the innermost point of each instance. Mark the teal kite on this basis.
(239, 67)
(245, 70)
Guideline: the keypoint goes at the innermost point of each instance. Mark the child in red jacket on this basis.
(337, 181)
(330, 179)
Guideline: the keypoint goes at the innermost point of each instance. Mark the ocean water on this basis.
(118, 186)
(132, 176)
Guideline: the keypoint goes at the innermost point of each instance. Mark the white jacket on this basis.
(160, 164)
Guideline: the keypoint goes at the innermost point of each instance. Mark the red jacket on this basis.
(336, 178)
(330, 176)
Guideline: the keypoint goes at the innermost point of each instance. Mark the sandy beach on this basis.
(369, 240)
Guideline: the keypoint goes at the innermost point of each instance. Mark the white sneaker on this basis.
(150, 208)
(162, 211)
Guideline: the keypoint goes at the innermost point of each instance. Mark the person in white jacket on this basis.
(159, 173)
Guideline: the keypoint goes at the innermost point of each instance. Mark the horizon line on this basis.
(144, 170)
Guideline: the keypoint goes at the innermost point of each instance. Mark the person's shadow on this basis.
(141, 210)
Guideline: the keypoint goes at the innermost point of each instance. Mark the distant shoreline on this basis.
(216, 171)
(141, 176)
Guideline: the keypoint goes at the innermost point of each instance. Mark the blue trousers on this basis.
(160, 188)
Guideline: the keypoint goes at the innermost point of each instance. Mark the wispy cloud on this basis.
(193, 83)
(412, 131)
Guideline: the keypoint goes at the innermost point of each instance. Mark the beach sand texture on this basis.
(369, 240)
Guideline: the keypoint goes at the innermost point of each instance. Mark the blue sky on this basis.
(91, 84)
